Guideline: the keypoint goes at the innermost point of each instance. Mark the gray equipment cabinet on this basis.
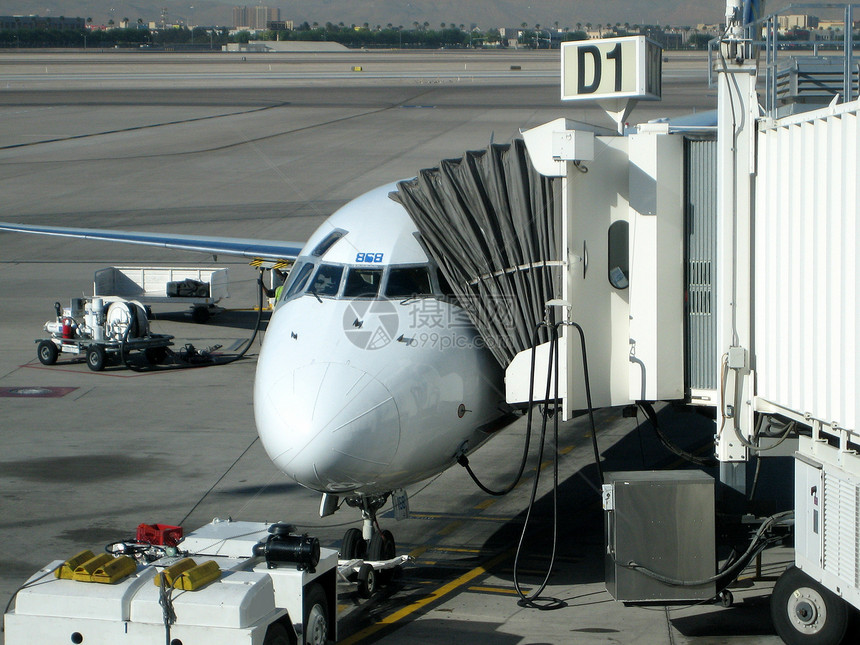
(662, 521)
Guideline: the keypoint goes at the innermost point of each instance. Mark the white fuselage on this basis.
(369, 379)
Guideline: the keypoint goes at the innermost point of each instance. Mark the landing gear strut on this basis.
(372, 544)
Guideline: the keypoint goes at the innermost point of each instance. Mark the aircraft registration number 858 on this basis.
(368, 257)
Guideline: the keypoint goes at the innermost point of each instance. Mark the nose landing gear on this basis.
(371, 542)
(369, 555)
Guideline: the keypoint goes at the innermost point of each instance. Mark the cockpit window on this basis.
(326, 282)
(405, 282)
(327, 242)
(362, 283)
(297, 283)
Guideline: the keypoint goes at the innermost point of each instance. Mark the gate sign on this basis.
(611, 68)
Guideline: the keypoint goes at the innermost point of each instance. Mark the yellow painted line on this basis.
(565, 449)
(450, 516)
(485, 504)
(497, 590)
(439, 593)
(453, 526)
(418, 552)
(454, 549)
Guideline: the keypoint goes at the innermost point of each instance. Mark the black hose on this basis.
(588, 400)
(651, 414)
(535, 601)
(210, 363)
(464, 461)
(729, 574)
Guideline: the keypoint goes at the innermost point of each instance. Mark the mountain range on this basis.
(482, 13)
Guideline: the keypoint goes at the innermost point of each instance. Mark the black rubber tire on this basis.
(96, 358)
(806, 613)
(315, 621)
(353, 545)
(277, 634)
(200, 315)
(47, 352)
(381, 546)
(366, 580)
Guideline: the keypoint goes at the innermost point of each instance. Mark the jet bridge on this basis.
(568, 215)
(714, 264)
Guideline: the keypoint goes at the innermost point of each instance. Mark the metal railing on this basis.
(816, 78)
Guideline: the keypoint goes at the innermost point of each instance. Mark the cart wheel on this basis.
(200, 314)
(47, 352)
(366, 580)
(155, 355)
(805, 612)
(353, 545)
(316, 622)
(96, 358)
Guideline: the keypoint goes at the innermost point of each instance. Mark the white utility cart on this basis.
(249, 582)
(201, 288)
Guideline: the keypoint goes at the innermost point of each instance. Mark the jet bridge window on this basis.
(619, 264)
(297, 283)
(362, 283)
(404, 282)
(326, 282)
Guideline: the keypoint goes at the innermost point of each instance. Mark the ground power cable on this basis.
(188, 365)
(535, 601)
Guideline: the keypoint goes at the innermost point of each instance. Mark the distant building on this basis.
(279, 25)
(256, 17)
(40, 22)
(797, 21)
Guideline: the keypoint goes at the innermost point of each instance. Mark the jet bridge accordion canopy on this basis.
(493, 225)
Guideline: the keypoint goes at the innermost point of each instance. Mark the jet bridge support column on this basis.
(737, 112)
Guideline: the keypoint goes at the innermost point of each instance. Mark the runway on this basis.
(194, 145)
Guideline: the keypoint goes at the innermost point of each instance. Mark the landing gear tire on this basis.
(96, 358)
(806, 613)
(382, 547)
(47, 352)
(315, 616)
(353, 546)
(366, 580)
(276, 634)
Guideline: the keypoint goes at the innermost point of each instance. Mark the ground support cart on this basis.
(99, 353)
(370, 574)
(164, 285)
(231, 593)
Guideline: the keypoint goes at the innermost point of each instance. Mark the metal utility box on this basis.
(662, 521)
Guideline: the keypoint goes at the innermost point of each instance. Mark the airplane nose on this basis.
(330, 426)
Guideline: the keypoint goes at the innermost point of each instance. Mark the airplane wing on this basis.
(272, 251)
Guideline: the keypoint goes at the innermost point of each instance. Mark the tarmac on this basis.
(190, 144)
